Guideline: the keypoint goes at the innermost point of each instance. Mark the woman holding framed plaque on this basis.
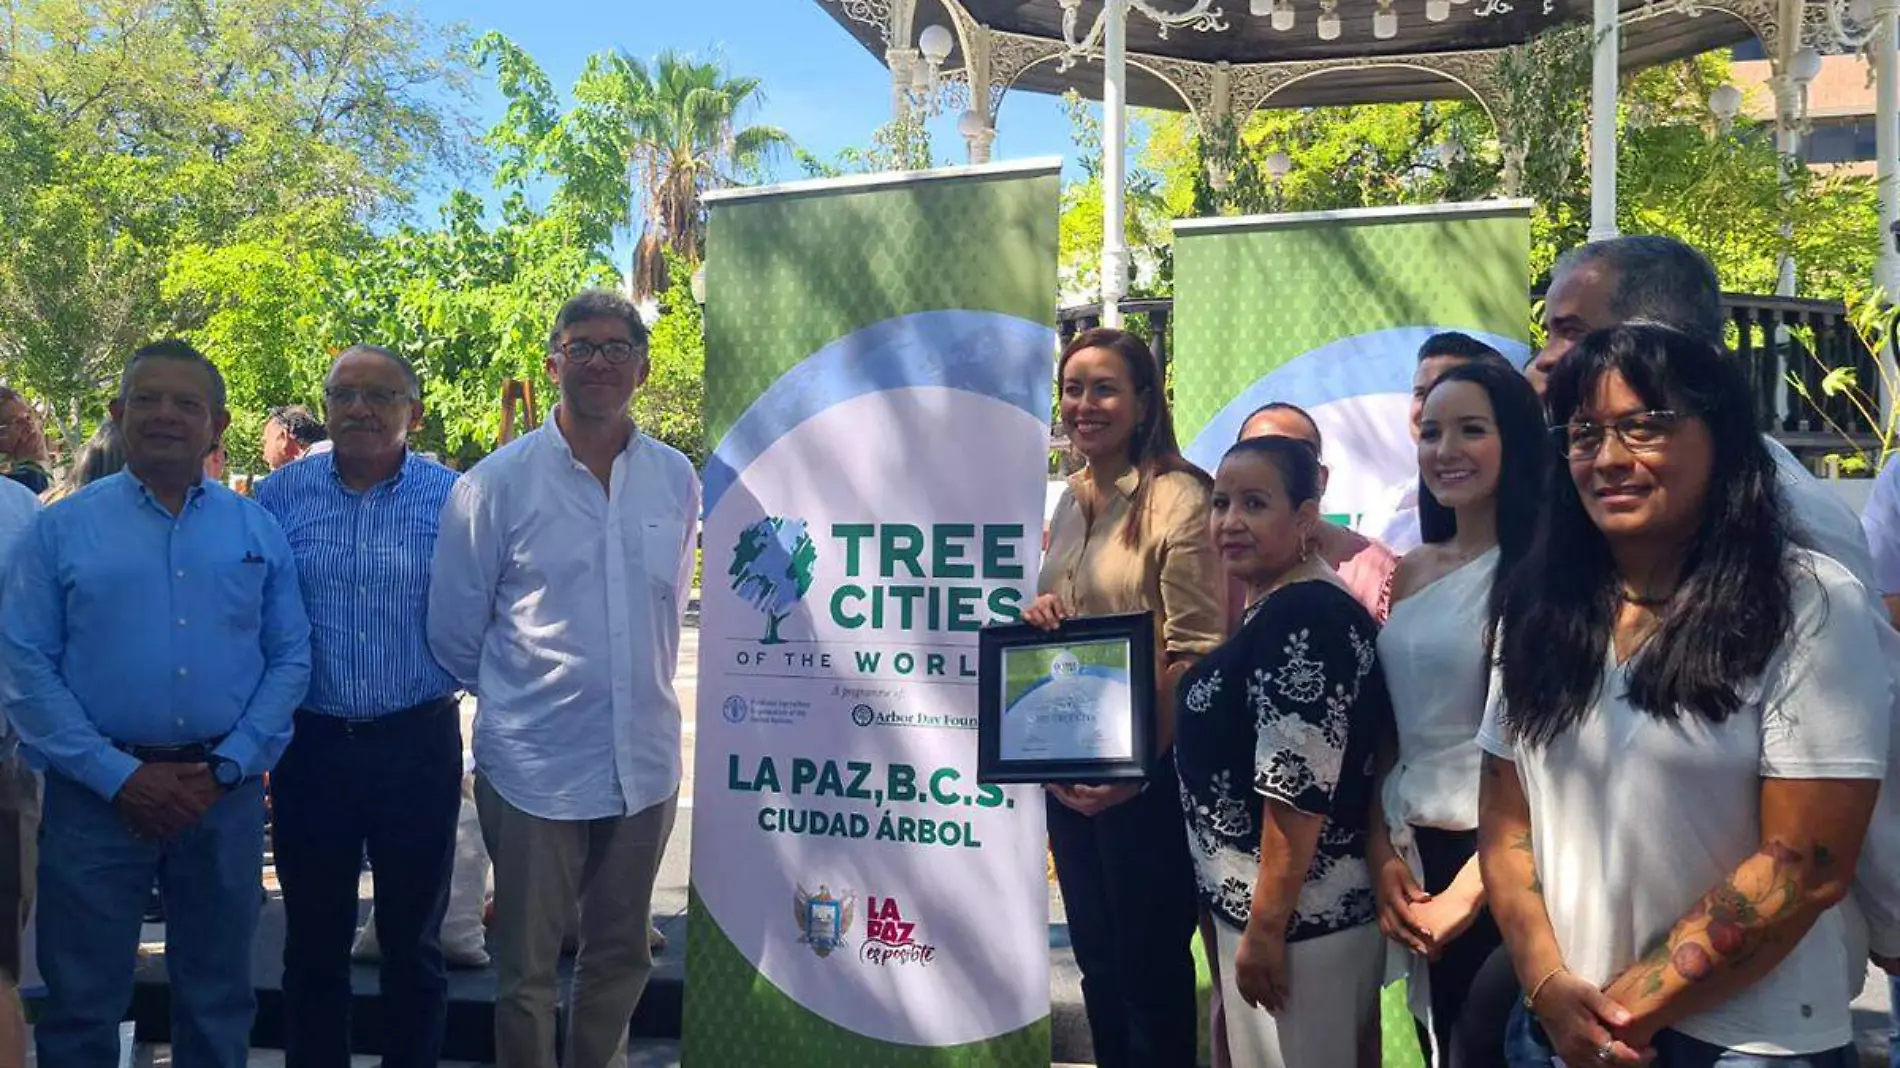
(1130, 535)
(1482, 460)
(1275, 736)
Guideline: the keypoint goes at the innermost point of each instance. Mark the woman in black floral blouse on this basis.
(1275, 734)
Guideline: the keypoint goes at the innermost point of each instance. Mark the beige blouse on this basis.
(1170, 572)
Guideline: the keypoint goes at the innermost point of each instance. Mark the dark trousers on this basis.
(1128, 887)
(1468, 1015)
(394, 786)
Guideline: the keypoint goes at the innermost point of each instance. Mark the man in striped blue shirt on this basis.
(377, 756)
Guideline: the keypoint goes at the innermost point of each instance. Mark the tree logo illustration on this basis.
(772, 569)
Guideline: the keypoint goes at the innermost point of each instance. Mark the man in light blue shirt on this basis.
(19, 812)
(152, 650)
(377, 758)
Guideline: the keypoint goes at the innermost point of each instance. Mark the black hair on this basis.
(1657, 279)
(598, 304)
(1524, 465)
(1461, 345)
(300, 423)
(1319, 441)
(1732, 605)
(1297, 462)
(182, 351)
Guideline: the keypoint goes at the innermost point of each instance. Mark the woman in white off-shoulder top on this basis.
(1482, 458)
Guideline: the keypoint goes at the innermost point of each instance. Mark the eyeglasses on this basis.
(614, 351)
(344, 396)
(1644, 432)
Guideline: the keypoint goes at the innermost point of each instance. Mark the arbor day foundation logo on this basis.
(772, 569)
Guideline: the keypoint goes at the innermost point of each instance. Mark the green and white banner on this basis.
(1327, 311)
(880, 354)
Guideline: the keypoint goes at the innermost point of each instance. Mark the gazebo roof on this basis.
(1356, 68)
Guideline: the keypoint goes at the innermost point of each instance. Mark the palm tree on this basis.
(685, 142)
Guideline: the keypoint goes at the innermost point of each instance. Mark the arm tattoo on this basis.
(1523, 844)
(1725, 929)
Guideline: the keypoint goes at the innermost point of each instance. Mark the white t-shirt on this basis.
(1820, 519)
(1634, 819)
(1394, 523)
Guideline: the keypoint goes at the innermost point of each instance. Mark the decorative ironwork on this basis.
(1203, 17)
(869, 12)
(1833, 27)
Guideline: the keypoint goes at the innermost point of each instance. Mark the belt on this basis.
(189, 753)
(310, 721)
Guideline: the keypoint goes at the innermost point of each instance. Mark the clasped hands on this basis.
(1584, 1024)
(164, 800)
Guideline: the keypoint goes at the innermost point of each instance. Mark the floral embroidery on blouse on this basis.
(1300, 727)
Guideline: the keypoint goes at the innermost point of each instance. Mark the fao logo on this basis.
(863, 715)
(735, 709)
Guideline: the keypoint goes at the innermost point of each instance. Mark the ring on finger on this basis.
(1606, 1053)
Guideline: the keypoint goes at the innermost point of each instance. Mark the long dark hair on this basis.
(1152, 449)
(1732, 605)
(1523, 469)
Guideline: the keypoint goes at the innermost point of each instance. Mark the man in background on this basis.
(289, 432)
(22, 442)
(19, 814)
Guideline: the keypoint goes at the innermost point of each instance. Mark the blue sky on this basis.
(821, 86)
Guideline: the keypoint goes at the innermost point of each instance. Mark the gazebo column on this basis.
(1603, 120)
(1115, 159)
(1787, 144)
(1887, 140)
(901, 58)
(978, 125)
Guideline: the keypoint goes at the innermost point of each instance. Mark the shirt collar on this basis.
(1126, 485)
(328, 459)
(194, 495)
(552, 428)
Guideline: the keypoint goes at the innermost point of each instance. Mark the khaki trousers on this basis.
(545, 872)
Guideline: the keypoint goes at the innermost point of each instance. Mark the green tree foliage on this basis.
(133, 132)
(243, 174)
(671, 405)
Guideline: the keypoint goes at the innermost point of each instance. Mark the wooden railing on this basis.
(1773, 336)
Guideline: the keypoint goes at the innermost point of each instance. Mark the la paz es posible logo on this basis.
(890, 938)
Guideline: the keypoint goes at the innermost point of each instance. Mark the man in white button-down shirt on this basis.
(561, 575)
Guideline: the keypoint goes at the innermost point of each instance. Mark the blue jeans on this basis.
(1526, 1047)
(1893, 1012)
(95, 878)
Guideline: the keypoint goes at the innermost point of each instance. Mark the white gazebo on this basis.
(1215, 60)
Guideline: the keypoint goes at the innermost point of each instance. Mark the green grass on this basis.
(1400, 1038)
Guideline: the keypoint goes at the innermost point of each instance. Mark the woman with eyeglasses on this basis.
(1688, 740)
(1482, 461)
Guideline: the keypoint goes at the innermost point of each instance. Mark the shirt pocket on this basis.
(240, 589)
(662, 543)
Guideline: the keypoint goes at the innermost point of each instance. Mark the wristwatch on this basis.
(226, 773)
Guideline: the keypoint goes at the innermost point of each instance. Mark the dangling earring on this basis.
(1305, 548)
